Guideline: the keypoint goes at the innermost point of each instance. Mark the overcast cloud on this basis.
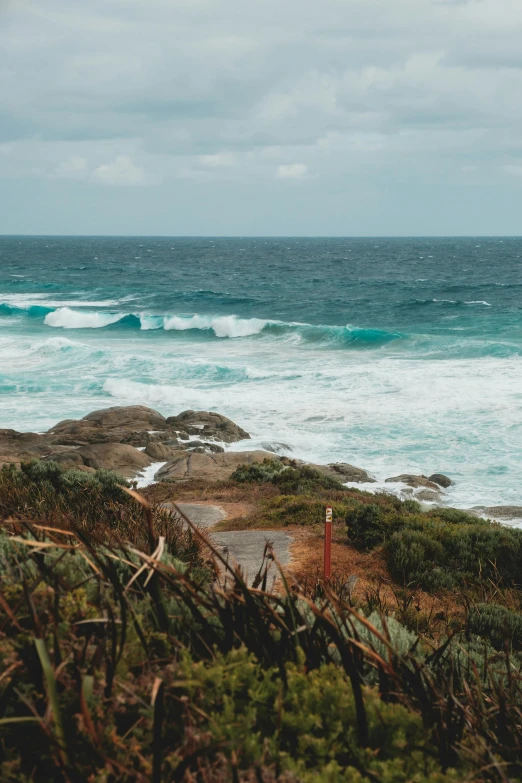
(346, 117)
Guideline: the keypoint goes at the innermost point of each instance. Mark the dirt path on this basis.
(244, 547)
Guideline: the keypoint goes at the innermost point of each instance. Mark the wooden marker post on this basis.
(328, 544)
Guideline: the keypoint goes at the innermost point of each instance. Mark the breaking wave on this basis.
(71, 319)
(222, 326)
(207, 326)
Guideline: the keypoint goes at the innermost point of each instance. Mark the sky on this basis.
(261, 117)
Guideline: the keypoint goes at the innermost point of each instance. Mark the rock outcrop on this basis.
(20, 446)
(428, 495)
(441, 480)
(343, 472)
(163, 452)
(138, 426)
(413, 481)
(209, 467)
(504, 512)
(211, 426)
(118, 457)
(134, 424)
(111, 438)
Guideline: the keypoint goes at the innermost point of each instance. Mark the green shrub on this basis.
(454, 516)
(438, 549)
(299, 510)
(489, 551)
(498, 624)
(435, 555)
(291, 478)
(259, 472)
(309, 727)
(415, 557)
(367, 524)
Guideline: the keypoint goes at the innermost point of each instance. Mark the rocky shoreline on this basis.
(192, 445)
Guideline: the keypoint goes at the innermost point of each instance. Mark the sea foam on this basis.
(222, 326)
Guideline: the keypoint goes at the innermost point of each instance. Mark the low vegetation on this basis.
(434, 550)
(127, 655)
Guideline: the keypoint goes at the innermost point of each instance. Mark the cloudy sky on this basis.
(250, 117)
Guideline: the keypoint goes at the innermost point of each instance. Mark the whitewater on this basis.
(394, 355)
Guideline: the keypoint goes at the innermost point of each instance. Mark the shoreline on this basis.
(146, 447)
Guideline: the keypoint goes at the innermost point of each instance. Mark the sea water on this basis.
(396, 355)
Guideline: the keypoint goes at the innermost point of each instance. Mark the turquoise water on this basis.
(397, 355)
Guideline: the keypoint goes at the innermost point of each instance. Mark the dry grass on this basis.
(374, 585)
(209, 492)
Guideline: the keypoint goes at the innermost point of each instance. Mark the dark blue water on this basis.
(396, 354)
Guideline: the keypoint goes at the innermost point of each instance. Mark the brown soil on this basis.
(213, 493)
(373, 580)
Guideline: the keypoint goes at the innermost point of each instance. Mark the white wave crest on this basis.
(182, 323)
(231, 326)
(479, 301)
(222, 326)
(66, 318)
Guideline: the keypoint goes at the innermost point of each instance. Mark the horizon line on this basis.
(262, 236)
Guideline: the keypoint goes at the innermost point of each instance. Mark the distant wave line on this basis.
(215, 326)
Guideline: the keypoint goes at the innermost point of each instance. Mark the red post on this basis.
(328, 544)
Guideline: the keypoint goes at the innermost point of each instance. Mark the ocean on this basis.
(396, 355)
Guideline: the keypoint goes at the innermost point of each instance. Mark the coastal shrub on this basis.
(290, 478)
(435, 549)
(435, 555)
(366, 524)
(169, 679)
(454, 516)
(490, 551)
(416, 558)
(260, 472)
(299, 510)
(93, 503)
(498, 624)
(308, 727)
(46, 486)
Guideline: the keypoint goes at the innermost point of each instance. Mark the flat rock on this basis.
(276, 447)
(19, 446)
(441, 480)
(210, 467)
(198, 445)
(209, 425)
(428, 495)
(505, 512)
(413, 481)
(162, 452)
(118, 457)
(344, 472)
